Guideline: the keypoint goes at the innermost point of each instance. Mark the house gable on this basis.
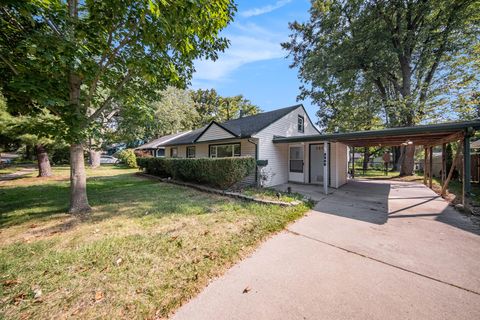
(214, 132)
(286, 126)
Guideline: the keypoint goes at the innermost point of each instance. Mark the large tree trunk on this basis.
(366, 159)
(408, 162)
(44, 168)
(396, 158)
(94, 157)
(78, 182)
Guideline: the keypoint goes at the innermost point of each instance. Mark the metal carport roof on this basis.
(433, 134)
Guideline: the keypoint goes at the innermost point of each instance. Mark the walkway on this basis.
(371, 250)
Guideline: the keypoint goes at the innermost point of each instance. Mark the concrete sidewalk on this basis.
(371, 250)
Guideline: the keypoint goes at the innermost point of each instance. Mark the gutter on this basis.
(439, 128)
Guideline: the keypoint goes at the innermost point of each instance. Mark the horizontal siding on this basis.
(214, 132)
(277, 154)
(342, 165)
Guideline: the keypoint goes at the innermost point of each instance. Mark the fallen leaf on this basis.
(246, 290)
(19, 298)
(99, 295)
(8, 283)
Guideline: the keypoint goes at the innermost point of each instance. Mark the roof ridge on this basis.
(264, 113)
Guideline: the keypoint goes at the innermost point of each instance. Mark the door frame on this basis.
(310, 159)
(328, 160)
(303, 162)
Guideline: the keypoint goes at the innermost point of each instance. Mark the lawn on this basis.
(272, 194)
(147, 248)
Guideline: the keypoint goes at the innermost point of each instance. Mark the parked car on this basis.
(108, 159)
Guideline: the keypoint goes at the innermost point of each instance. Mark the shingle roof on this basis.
(243, 127)
(160, 141)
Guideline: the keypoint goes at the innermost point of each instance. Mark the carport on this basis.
(427, 136)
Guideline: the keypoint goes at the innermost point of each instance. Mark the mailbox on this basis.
(262, 163)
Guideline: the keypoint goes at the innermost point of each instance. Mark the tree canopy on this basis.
(387, 63)
(211, 106)
(395, 60)
(79, 58)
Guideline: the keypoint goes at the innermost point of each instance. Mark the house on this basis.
(254, 136)
(155, 147)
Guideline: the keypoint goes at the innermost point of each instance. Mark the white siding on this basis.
(342, 164)
(277, 154)
(333, 165)
(214, 132)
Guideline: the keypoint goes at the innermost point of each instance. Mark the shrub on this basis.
(218, 172)
(128, 157)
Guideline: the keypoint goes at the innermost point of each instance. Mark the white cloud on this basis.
(248, 43)
(266, 9)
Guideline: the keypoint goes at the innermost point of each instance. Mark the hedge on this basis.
(217, 172)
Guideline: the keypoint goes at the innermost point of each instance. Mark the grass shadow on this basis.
(109, 196)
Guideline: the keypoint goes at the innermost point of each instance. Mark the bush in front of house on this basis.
(217, 172)
(128, 157)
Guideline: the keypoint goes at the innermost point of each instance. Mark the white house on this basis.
(313, 162)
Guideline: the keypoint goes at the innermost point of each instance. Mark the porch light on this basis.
(408, 142)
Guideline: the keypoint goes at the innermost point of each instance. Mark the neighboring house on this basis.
(155, 147)
(254, 136)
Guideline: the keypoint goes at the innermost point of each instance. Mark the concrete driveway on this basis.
(371, 250)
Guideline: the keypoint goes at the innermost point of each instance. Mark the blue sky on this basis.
(255, 65)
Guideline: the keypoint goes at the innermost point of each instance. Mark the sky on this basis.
(255, 64)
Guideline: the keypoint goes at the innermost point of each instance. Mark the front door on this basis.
(316, 163)
(296, 164)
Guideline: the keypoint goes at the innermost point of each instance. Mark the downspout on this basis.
(256, 158)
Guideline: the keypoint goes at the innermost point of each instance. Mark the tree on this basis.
(32, 131)
(399, 50)
(171, 111)
(174, 111)
(84, 55)
(213, 107)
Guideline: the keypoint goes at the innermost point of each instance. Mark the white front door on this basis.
(295, 164)
(316, 163)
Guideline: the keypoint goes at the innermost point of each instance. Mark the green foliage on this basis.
(218, 172)
(211, 106)
(84, 60)
(385, 63)
(171, 111)
(128, 157)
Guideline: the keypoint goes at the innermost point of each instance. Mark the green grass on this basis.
(147, 248)
(372, 173)
(272, 194)
(8, 170)
(455, 188)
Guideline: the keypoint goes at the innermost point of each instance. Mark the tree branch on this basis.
(107, 101)
(10, 65)
(106, 60)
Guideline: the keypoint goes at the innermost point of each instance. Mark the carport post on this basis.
(325, 167)
(467, 170)
(430, 167)
(353, 162)
(425, 158)
(444, 162)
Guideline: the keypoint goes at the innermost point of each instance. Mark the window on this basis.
(173, 152)
(160, 153)
(191, 152)
(225, 150)
(301, 122)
